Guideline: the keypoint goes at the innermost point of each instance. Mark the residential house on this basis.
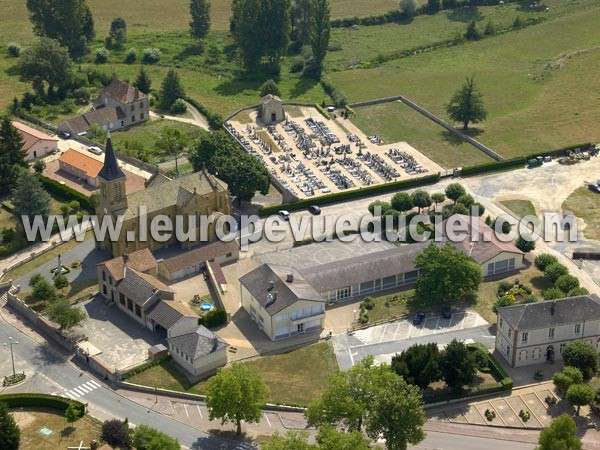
(37, 143)
(200, 351)
(80, 166)
(536, 332)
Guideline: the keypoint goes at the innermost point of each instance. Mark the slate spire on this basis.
(111, 170)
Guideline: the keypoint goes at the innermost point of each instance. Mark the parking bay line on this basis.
(268, 421)
(199, 411)
(186, 411)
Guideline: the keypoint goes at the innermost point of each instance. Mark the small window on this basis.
(133, 118)
(501, 323)
(103, 276)
(104, 289)
(133, 107)
(110, 280)
(141, 116)
(551, 333)
(577, 328)
(524, 337)
(562, 347)
(509, 333)
(228, 255)
(141, 105)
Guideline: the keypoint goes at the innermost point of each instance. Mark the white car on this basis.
(285, 215)
(95, 150)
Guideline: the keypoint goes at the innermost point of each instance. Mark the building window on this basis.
(551, 333)
(103, 276)
(562, 347)
(133, 118)
(343, 293)
(577, 328)
(138, 311)
(104, 289)
(524, 337)
(500, 323)
(141, 116)
(228, 255)
(132, 107)
(509, 333)
(141, 105)
(110, 280)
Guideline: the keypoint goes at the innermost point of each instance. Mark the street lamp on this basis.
(11, 343)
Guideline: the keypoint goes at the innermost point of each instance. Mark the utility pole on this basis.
(12, 358)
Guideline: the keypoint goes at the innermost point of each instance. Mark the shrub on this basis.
(577, 291)
(179, 106)
(131, 56)
(65, 192)
(81, 95)
(41, 400)
(101, 55)
(544, 260)
(555, 271)
(525, 243)
(151, 55)
(297, 65)
(8, 235)
(552, 294)
(13, 49)
(214, 318)
(567, 283)
(39, 165)
(368, 303)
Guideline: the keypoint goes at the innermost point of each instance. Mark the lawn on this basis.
(32, 420)
(585, 204)
(296, 377)
(520, 208)
(395, 122)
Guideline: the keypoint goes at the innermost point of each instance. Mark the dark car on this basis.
(64, 134)
(314, 210)
(418, 318)
(446, 312)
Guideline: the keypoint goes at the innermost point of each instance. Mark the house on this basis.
(118, 105)
(81, 166)
(200, 352)
(37, 143)
(271, 109)
(282, 302)
(536, 332)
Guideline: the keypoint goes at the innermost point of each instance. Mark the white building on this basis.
(37, 143)
(536, 332)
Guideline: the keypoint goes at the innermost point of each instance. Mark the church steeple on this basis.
(113, 197)
(111, 170)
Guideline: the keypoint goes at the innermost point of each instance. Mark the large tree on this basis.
(61, 312)
(200, 23)
(560, 435)
(10, 435)
(419, 364)
(300, 19)
(171, 89)
(402, 201)
(445, 274)
(583, 356)
(46, 61)
(116, 433)
(328, 438)
(29, 197)
(421, 199)
(275, 29)
(143, 81)
(320, 31)
(466, 105)
(236, 393)
(148, 438)
(68, 21)
(12, 155)
(458, 365)
(117, 35)
(580, 395)
(454, 191)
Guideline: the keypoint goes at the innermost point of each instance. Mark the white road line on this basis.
(186, 411)
(73, 393)
(351, 358)
(72, 397)
(383, 333)
(462, 322)
(397, 329)
(268, 421)
(79, 391)
(94, 383)
(437, 324)
(84, 388)
(199, 411)
(89, 385)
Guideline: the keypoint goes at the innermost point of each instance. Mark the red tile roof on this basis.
(82, 161)
(31, 136)
(140, 260)
(122, 92)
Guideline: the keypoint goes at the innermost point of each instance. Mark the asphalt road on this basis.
(445, 441)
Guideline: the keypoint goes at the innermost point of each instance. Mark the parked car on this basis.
(446, 312)
(314, 210)
(95, 150)
(418, 318)
(285, 215)
(64, 134)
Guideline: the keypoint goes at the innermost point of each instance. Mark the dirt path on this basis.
(197, 119)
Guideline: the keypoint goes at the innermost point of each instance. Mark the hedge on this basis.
(353, 194)
(41, 400)
(8, 207)
(214, 318)
(215, 121)
(322, 111)
(143, 367)
(66, 193)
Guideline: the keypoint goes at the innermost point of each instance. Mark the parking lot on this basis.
(384, 341)
(313, 156)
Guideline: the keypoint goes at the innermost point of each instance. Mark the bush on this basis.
(151, 55)
(215, 121)
(81, 95)
(322, 111)
(553, 294)
(131, 56)
(101, 55)
(544, 260)
(368, 303)
(179, 106)
(525, 243)
(493, 167)
(297, 65)
(65, 193)
(42, 401)
(555, 271)
(567, 283)
(214, 318)
(13, 50)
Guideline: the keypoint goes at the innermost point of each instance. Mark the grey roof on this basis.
(166, 314)
(201, 254)
(101, 116)
(111, 170)
(140, 287)
(531, 316)
(282, 294)
(198, 343)
(364, 268)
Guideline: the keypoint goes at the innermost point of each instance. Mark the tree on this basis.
(543, 260)
(438, 197)
(467, 105)
(421, 199)
(143, 81)
(465, 199)
(577, 291)
(472, 33)
(39, 166)
(10, 435)
(48, 62)
(61, 282)
(330, 438)
(29, 197)
(445, 274)
(171, 89)
(555, 271)
(397, 414)
(269, 87)
(583, 356)
(552, 293)
(566, 283)
(434, 6)
(276, 30)
(148, 438)
(117, 35)
(418, 365)
(236, 393)
(71, 414)
(560, 435)
(12, 155)
(200, 23)
(246, 17)
(568, 376)
(172, 141)
(454, 191)
(35, 279)
(65, 315)
(580, 395)
(320, 32)
(401, 201)
(490, 29)
(293, 440)
(458, 365)
(383, 206)
(408, 7)
(70, 22)
(116, 434)
(525, 243)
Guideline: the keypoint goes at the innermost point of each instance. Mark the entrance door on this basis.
(300, 328)
(273, 117)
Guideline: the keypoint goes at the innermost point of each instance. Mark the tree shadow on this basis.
(456, 140)
(196, 49)
(465, 15)
(12, 71)
(67, 431)
(526, 6)
(303, 85)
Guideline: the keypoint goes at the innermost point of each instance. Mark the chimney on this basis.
(290, 277)
(215, 343)
(274, 295)
(553, 307)
(271, 285)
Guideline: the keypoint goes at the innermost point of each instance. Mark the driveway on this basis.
(384, 341)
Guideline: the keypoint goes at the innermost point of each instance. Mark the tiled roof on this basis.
(200, 343)
(531, 316)
(200, 255)
(140, 287)
(122, 92)
(81, 161)
(140, 260)
(31, 136)
(167, 312)
(100, 116)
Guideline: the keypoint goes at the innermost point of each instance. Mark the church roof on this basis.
(111, 170)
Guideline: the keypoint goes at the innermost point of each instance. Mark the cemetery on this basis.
(311, 156)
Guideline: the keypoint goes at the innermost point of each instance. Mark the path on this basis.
(197, 118)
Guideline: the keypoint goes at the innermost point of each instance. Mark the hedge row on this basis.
(322, 111)
(144, 367)
(8, 207)
(41, 400)
(353, 194)
(66, 193)
(215, 121)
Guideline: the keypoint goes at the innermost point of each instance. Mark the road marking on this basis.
(70, 396)
(268, 421)
(186, 411)
(351, 358)
(383, 333)
(84, 388)
(199, 411)
(94, 383)
(437, 324)
(80, 392)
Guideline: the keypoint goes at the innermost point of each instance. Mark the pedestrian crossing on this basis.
(81, 390)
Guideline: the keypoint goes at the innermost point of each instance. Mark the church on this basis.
(194, 194)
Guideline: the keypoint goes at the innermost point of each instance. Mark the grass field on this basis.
(585, 204)
(520, 208)
(396, 122)
(296, 377)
